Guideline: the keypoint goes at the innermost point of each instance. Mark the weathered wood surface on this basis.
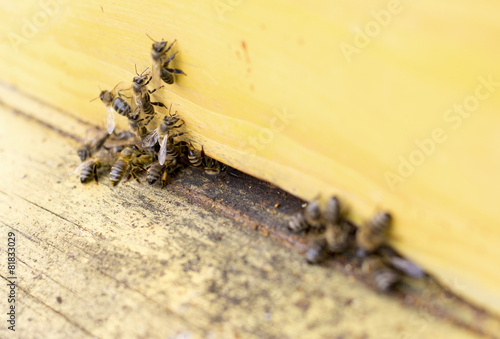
(349, 120)
(134, 261)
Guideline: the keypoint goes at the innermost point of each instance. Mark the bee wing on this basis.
(408, 267)
(82, 166)
(133, 102)
(151, 139)
(156, 73)
(110, 119)
(162, 154)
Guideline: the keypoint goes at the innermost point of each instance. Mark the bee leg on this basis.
(176, 135)
(164, 178)
(149, 120)
(182, 123)
(151, 77)
(170, 46)
(174, 71)
(95, 175)
(165, 64)
(154, 90)
(123, 95)
(231, 173)
(156, 103)
(132, 173)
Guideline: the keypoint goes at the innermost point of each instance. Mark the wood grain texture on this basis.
(269, 91)
(134, 261)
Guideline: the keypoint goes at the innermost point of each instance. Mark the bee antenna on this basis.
(151, 38)
(98, 95)
(135, 65)
(144, 70)
(170, 109)
(118, 84)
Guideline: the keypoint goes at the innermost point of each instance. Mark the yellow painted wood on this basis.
(138, 261)
(314, 97)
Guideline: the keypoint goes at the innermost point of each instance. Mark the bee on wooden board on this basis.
(129, 161)
(142, 106)
(194, 156)
(200, 160)
(160, 62)
(298, 223)
(312, 214)
(382, 277)
(212, 166)
(92, 144)
(157, 171)
(331, 213)
(373, 233)
(317, 250)
(338, 231)
(88, 169)
(309, 217)
(335, 239)
(174, 148)
(338, 236)
(162, 136)
(114, 103)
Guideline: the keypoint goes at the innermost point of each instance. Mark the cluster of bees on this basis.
(330, 233)
(152, 142)
(152, 145)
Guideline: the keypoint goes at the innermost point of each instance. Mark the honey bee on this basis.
(298, 223)
(114, 103)
(373, 233)
(121, 166)
(162, 135)
(382, 276)
(157, 171)
(338, 236)
(88, 169)
(312, 214)
(331, 213)
(200, 160)
(92, 145)
(317, 250)
(174, 149)
(160, 62)
(309, 217)
(194, 156)
(212, 166)
(141, 100)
